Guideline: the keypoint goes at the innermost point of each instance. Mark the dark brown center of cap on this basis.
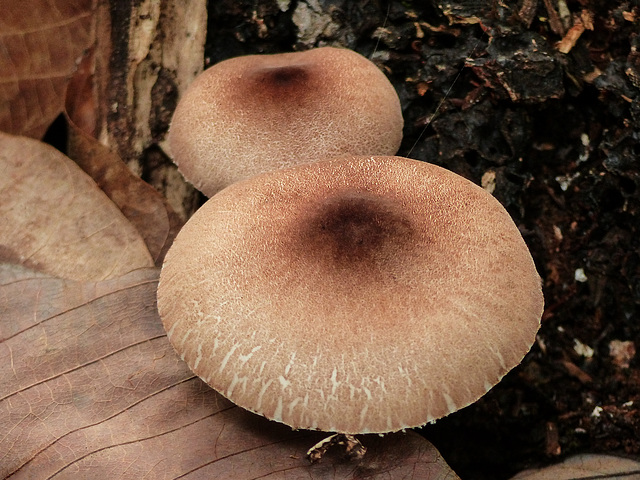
(290, 76)
(355, 229)
(281, 83)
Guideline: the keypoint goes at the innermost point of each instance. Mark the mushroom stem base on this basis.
(352, 448)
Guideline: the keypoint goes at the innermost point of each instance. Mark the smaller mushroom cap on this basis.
(256, 113)
(357, 295)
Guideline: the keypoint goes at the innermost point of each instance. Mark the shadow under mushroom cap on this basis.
(356, 295)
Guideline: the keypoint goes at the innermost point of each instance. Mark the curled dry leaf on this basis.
(40, 44)
(585, 466)
(56, 220)
(94, 390)
(143, 206)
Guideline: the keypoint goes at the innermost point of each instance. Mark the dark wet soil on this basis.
(542, 104)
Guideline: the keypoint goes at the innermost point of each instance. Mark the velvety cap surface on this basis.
(366, 294)
(256, 113)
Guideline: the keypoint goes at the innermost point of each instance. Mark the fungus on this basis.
(353, 295)
(251, 114)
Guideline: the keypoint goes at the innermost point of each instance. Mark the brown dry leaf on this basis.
(93, 389)
(40, 44)
(586, 466)
(55, 219)
(143, 206)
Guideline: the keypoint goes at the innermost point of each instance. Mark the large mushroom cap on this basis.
(367, 294)
(256, 113)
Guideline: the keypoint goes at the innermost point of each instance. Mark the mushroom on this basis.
(251, 114)
(352, 295)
